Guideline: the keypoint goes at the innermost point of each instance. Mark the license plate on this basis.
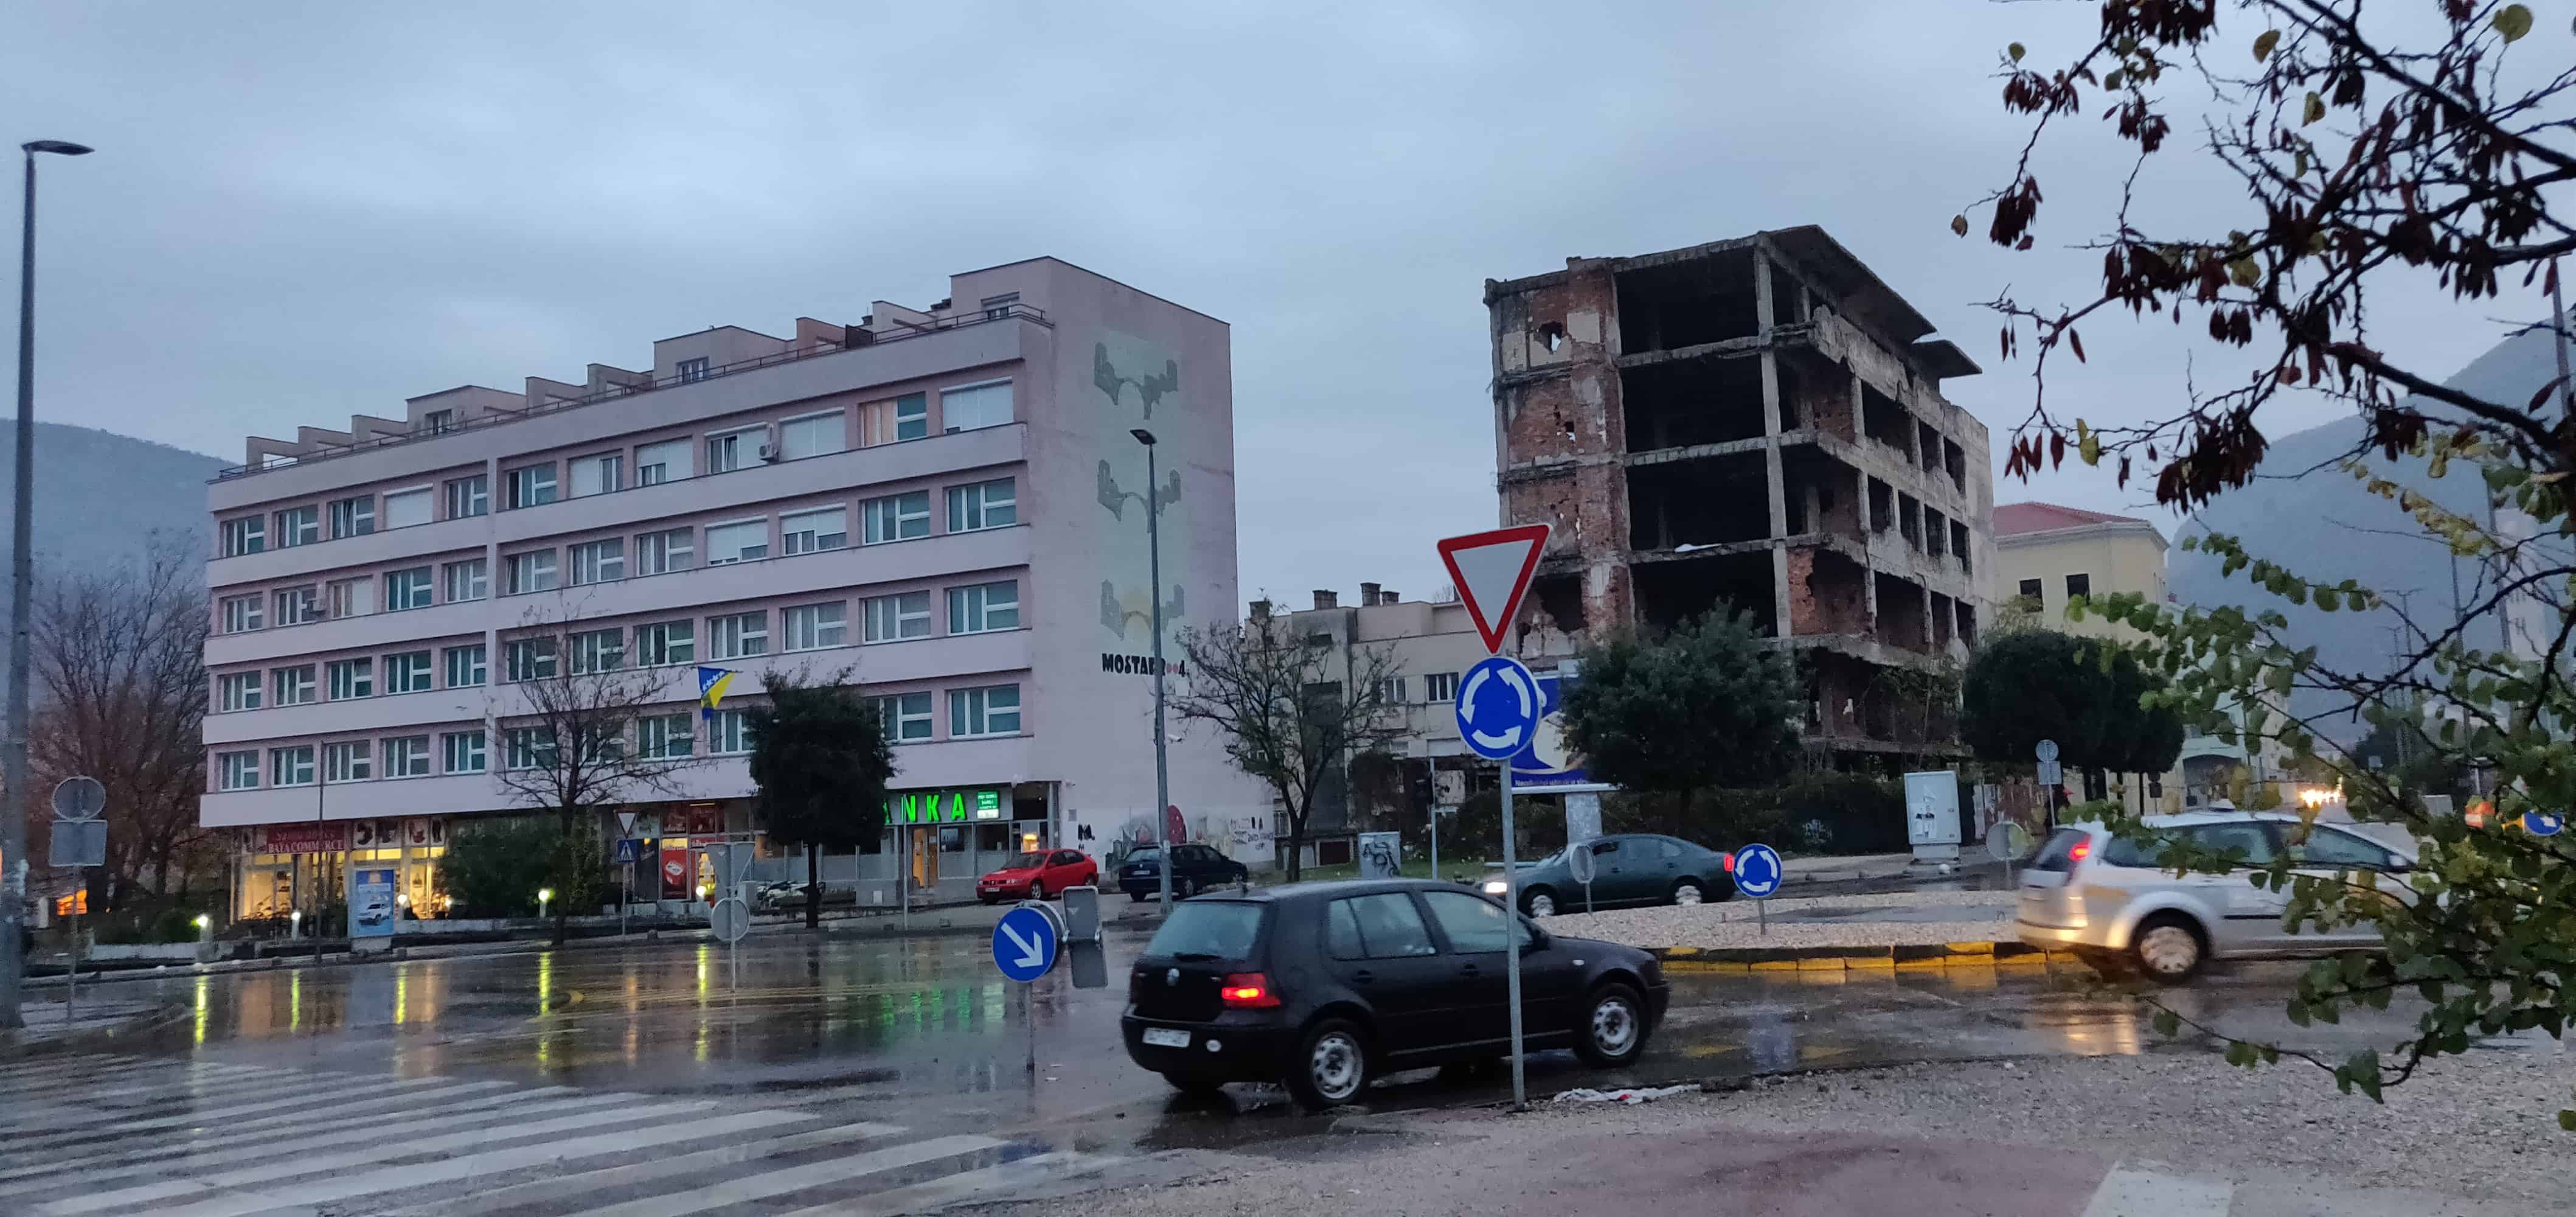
(1167, 1037)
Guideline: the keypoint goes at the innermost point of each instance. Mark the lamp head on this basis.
(1143, 436)
(57, 147)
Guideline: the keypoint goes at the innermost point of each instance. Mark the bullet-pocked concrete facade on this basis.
(1755, 423)
(946, 500)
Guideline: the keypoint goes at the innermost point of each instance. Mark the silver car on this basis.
(2104, 897)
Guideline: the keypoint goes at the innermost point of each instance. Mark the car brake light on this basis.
(2081, 851)
(1248, 991)
(1727, 861)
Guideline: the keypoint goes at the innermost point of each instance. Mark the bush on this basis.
(494, 869)
(1830, 813)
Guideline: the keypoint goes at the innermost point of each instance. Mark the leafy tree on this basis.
(1292, 712)
(1709, 703)
(820, 758)
(2084, 693)
(493, 868)
(2403, 160)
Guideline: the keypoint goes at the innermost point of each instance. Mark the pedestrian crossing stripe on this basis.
(108, 1136)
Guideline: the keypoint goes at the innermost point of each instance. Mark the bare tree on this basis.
(581, 733)
(120, 657)
(1292, 711)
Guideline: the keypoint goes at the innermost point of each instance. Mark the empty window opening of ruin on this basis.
(1821, 493)
(1886, 421)
(1927, 446)
(1955, 459)
(1708, 501)
(1560, 598)
(1687, 303)
(1901, 615)
(1828, 594)
(1693, 401)
(1551, 335)
(1882, 506)
(1959, 546)
(1670, 593)
(1936, 532)
(1814, 393)
(1909, 520)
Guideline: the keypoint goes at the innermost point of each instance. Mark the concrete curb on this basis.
(1928, 957)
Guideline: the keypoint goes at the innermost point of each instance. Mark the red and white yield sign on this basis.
(1492, 571)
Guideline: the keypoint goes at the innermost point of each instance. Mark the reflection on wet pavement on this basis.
(927, 1028)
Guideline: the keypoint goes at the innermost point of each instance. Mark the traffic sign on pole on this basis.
(1757, 870)
(1492, 571)
(625, 823)
(79, 798)
(629, 851)
(1024, 943)
(2046, 751)
(2543, 823)
(1498, 707)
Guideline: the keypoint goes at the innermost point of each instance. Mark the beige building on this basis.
(2046, 555)
(1428, 644)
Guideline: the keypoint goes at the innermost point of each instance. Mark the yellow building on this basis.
(2046, 555)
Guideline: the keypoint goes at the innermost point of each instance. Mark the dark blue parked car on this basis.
(1196, 869)
(1627, 869)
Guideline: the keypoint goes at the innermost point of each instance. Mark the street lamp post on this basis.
(1154, 570)
(13, 767)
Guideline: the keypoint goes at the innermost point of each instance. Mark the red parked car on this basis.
(1038, 875)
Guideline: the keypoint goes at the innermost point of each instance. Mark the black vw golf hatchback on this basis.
(1327, 985)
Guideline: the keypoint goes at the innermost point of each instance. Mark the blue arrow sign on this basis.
(1757, 870)
(1024, 944)
(2543, 824)
(1498, 707)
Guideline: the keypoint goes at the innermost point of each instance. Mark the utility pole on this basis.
(22, 577)
(1154, 569)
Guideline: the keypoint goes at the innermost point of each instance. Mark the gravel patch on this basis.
(1981, 916)
(2482, 1126)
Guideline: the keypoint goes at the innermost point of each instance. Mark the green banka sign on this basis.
(944, 806)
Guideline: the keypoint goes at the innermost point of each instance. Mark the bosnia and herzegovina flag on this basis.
(711, 690)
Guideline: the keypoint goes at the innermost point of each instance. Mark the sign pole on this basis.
(71, 995)
(1512, 957)
(1435, 829)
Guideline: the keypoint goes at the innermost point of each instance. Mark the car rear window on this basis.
(1214, 929)
(2057, 852)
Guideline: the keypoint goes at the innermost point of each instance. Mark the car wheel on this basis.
(1183, 890)
(1037, 890)
(1541, 903)
(1614, 1027)
(1330, 1067)
(1135, 897)
(1688, 891)
(1195, 1086)
(2168, 949)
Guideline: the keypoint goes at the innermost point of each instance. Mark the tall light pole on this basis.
(13, 768)
(1154, 570)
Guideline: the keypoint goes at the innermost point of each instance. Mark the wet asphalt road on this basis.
(926, 1028)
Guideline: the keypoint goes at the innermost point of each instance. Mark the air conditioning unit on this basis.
(769, 453)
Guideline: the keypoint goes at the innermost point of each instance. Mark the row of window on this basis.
(966, 408)
(2076, 585)
(975, 608)
(988, 710)
(1437, 687)
(898, 517)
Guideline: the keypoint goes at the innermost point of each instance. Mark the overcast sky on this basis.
(303, 211)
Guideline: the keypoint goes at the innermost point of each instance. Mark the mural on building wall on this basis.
(1138, 384)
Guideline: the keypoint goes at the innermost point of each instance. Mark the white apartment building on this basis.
(948, 501)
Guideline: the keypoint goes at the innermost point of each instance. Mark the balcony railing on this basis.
(859, 339)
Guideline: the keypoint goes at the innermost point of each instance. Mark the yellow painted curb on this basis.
(1971, 948)
(1828, 963)
(1774, 965)
(1920, 965)
(1872, 963)
(1705, 967)
(1680, 952)
(2008, 961)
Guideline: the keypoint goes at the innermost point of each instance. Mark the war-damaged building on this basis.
(1755, 423)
